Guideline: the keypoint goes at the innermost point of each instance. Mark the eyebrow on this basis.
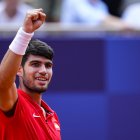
(38, 61)
(34, 61)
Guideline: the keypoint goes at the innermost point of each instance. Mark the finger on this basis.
(34, 16)
(39, 10)
(37, 15)
(42, 16)
(37, 24)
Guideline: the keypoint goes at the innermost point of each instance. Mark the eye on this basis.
(35, 64)
(49, 65)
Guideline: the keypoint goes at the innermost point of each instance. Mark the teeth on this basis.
(41, 79)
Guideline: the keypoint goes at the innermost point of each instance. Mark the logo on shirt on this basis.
(36, 116)
(57, 127)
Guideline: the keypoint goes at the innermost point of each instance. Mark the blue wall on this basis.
(95, 89)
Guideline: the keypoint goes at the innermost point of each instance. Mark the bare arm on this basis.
(11, 62)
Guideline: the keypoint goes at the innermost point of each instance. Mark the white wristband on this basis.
(20, 42)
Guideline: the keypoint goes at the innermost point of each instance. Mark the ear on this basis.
(20, 71)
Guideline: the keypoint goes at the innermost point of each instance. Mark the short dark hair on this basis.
(39, 48)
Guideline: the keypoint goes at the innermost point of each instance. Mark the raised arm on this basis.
(12, 59)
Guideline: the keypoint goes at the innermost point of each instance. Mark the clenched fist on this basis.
(33, 20)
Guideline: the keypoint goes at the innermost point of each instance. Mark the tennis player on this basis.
(23, 113)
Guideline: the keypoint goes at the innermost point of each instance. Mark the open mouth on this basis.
(41, 79)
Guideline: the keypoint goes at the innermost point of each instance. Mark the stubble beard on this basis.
(34, 89)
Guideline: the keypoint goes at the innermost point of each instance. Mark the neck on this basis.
(36, 97)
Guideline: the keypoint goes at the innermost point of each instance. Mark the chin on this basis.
(42, 89)
(39, 90)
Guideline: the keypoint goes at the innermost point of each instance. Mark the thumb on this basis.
(37, 24)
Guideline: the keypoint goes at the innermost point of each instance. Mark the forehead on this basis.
(12, 1)
(42, 59)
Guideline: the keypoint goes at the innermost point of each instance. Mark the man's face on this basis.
(12, 3)
(37, 73)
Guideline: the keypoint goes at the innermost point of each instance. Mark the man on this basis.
(23, 114)
(90, 12)
(83, 11)
(13, 11)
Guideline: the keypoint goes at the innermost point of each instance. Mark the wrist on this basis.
(27, 30)
(20, 42)
(23, 31)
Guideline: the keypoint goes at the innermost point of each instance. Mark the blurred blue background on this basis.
(95, 89)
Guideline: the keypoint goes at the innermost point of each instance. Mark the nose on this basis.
(43, 70)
